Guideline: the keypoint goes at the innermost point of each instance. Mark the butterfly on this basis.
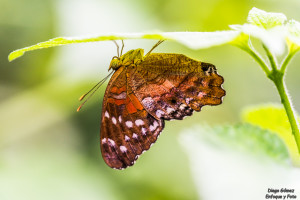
(146, 90)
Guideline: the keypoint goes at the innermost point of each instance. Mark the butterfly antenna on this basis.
(156, 45)
(117, 47)
(93, 90)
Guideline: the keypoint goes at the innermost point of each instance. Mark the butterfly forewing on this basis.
(171, 86)
(127, 129)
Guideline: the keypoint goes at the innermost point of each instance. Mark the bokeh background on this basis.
(49, 151)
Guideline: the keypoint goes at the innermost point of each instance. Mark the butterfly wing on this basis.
(172, 86)
(139, 97)
(127, 129)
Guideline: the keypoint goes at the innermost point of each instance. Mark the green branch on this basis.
(272, 60)
(286, 62)
(259, 60)
(276, 77)
(247, 46)
(293, 49)
(287, 103)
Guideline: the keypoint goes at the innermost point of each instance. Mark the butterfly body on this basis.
(134, 56)
(146, 90)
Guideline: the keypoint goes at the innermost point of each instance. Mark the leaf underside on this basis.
(193, 40)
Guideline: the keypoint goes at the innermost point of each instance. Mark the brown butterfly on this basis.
(143, 92)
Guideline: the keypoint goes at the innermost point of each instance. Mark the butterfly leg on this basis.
(117, 47)
(122, 48)
(156, 45)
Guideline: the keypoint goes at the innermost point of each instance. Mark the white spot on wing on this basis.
(120, 118)
(103, 140)
(111, 142)
(182, 106)
(154, 126)
(159, 113)
(144, 131)
(135, 136)
(151, 128)
(129, 124)
(127, 138)
(188, 100)
(201, 94)
(106, 114)
(123, 149)
(169, 110)
(114, 120)
(139, 122)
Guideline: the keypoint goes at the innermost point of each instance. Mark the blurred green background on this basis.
(49, 151)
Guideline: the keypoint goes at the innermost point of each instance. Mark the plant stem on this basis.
(286, 61)
(280, 85)
(245, 44)
(258, 59)
(276, 76)
(272, 60)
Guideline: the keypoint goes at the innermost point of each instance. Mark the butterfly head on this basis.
(115, 63)
(134, 56)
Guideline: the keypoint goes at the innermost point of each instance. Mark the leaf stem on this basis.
(257, 58)
(288, 58)
(285, 100)
(272, 60)
(277, 76)
(286, 61)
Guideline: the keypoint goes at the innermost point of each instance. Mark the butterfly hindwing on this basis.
(127, 129)
(171, 86)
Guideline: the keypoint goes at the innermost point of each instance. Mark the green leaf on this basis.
(194, 40)
(220, 157)
(68, 40)
(202, 40)
(245, 138)
(265, 19)
(273, 117)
